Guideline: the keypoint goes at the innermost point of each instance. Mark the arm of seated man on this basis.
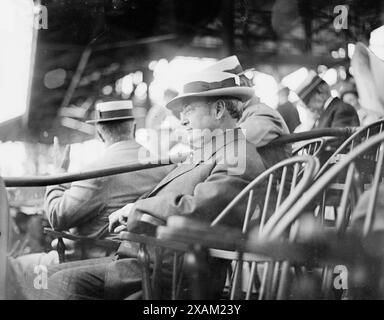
(118, 221)
(210, 196)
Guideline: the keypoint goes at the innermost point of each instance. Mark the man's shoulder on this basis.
(259, 109)
(118, 154)
(341, 106)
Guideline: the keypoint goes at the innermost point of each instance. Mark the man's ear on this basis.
(219, 109)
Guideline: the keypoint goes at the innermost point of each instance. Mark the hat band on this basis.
(114, 114)
(308, 89)
(238, 69)
(201, 86)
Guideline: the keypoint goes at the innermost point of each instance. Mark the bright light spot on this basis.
(335, 54)
(127, 85)
(137, 77)
(13, 160)
(294, 79)
(173, 75)
(107, 90)
(330, 76)
(321, 68)
(16, 31)
(266, 88)
(118, 86)
(141, 90)
(342, 53)
(376, 42)
(152, 65)
(334, 93)
(351, 50)
(342, 73)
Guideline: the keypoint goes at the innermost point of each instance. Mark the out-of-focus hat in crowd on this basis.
(112, 111)
(309, 85)
(210, 84)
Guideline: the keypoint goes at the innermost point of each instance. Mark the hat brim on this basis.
(110, 119)
(242, 93)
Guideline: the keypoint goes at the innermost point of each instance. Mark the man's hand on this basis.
(118, 219)
(60, 161)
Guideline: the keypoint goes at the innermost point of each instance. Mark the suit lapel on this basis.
(177, 172)
(326, 115)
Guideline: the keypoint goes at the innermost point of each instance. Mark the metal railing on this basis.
(41, 181)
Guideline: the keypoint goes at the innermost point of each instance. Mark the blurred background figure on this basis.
(366, 116)
(368, 72)
(287, 110)
(329, 112)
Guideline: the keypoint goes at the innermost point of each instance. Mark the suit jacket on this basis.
(338, 115)
(290, 115)
(85, 205)
(261, 124)
(199, 189)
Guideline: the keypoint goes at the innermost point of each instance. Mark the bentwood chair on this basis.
(96, 239)
(349, 144)
(4, 234)
(330, 197)
(349, 164)
(312, 148)
(284, 183)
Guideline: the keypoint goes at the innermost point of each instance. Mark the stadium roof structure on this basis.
(91, 44)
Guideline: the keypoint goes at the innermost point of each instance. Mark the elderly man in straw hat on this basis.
(222, 164)
(260, 123)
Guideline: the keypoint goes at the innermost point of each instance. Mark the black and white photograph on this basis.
(201, 151)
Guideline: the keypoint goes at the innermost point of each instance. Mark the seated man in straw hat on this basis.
(330, 112)
(84, 206)
(223, 162)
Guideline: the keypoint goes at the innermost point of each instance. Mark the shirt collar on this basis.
(328, 102)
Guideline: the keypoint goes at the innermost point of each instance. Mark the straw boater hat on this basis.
(229, 64)
(112, 111)
(307, 87)
(211, 84)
